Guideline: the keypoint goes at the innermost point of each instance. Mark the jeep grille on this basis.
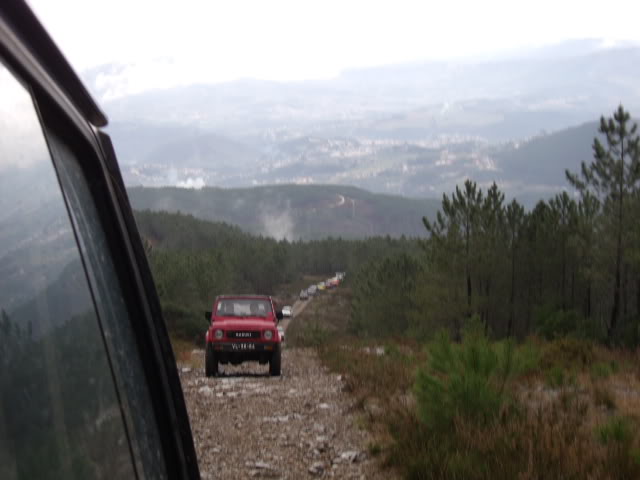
(243, 334)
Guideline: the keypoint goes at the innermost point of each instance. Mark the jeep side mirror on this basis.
(279, 315)
(207, 316)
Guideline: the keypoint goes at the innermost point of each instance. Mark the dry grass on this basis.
(183, 352)
(544, 433)
(324, 318)
(573, 409)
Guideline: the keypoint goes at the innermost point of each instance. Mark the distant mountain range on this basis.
(295, 212)
(415, 130)
(529, 170)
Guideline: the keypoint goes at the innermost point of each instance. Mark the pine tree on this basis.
(584, 242)
(460, 218)
(489, 250)
(564, 210)
(515, 217)
(613, 177)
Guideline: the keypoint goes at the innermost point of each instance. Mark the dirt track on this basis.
(300, 425)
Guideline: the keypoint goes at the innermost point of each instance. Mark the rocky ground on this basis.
(247, 424)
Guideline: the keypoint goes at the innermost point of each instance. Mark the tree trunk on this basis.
(512, 296)
(486, 308)
(564, 274)
(589, 298)
(468, 272)
(573, 288)
(616, 294)
(638, 297)
(469, 290)
(616, 289)
(625, 287)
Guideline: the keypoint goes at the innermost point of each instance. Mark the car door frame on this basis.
(65, 105)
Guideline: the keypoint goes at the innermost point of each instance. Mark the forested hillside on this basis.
(194, 260)
(293, 212)
(570, 266)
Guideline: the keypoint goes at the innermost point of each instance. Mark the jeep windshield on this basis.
(244, 307)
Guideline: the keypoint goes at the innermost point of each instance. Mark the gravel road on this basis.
(299, 425)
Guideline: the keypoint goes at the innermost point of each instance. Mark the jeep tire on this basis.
(210, 362)
(274, 363)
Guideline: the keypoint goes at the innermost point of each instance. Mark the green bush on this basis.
(312, 334)
(618, 435)
(555, 377)
(184, 323)
(568, 353)
(618, 430)
(602, 370)
(526, 358)
(465, 380)
(552, 324)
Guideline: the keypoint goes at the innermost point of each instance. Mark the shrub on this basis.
(183, 323)
(528, 358)
(312, 334)
(552, 324)
(602, 370)
(568, 353)
(617, 430)
(619, 436)
(555, 377)
(464, 380)
(374, 449)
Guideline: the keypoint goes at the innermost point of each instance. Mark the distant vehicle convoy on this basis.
(326, 284)
(243, 328)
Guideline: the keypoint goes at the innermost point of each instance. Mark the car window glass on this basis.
(59, 411)
(112, 310)
(250, 307)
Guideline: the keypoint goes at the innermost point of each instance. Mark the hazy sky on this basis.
(207, 40)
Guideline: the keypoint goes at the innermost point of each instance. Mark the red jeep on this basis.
(243, 328)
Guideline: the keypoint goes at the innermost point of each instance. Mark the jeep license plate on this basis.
(243, 346)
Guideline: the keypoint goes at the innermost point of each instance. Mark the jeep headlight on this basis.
(218, 334)
(268, 335)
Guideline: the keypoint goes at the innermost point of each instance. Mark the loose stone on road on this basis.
(247, 424)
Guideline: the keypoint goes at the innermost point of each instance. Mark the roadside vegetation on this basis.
(507, 347)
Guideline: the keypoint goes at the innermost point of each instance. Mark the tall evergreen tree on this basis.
(515, 217)
(489, 251)
(467, 203)
(613, 178)
(564, 210)
(584, 242)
